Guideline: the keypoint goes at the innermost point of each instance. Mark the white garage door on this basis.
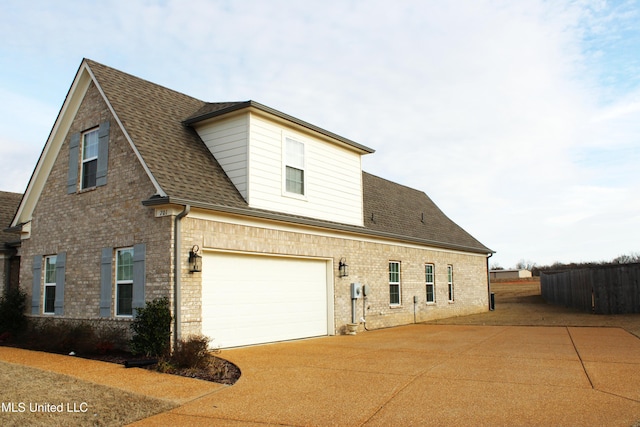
(253, 299)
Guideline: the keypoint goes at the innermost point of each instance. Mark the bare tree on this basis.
(525, 265)
(630, 258)
(496, 266)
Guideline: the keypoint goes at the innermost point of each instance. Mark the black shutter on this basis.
(139, 276)
(61, 260)
(35, 289)
(105, 282)
(103, 154)
(74, 152)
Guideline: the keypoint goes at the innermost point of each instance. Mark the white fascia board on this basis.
(52, 147)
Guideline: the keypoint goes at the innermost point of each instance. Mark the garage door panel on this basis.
(250, 299)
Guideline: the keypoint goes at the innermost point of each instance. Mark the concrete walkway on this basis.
(412, 375)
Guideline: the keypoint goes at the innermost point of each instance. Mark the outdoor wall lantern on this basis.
(343, 268)
(195, 260)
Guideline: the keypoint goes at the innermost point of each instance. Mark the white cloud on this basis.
(505, 113)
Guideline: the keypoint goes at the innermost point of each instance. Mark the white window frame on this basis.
(88, 159)
(451, 288)
(430, 280)
(49, 261)
(295, 163)
(395, 283)
(119, 282)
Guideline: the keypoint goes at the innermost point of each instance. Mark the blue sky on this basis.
(521, 120)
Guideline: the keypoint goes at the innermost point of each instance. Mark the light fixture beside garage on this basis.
(343, 268)
(195, 260)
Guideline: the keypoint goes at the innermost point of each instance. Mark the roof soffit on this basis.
(216, 111)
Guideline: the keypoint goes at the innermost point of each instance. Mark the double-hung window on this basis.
(89, 149)
(49, 284)
(394, 283)
(429, 278)
(294, 167)
(89, 158)
(124, 282)
(450, 282)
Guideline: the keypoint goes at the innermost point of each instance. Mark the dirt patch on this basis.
(520, 304)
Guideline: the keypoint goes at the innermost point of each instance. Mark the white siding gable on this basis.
(227, 139)
(251, 148)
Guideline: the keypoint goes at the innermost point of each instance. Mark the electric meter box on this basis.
(356, 290)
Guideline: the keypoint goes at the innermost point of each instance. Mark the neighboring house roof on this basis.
(157, 120)
(514, 270)
(9, 203)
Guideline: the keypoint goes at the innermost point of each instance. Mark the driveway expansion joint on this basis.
(584, 368)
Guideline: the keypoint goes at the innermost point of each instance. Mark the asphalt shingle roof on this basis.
(176, 156)
(404, 211)
(155, 117)
(8, 206)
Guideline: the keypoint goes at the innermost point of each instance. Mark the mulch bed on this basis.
(222, 372)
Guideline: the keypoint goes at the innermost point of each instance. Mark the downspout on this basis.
(177, 271)
(489, 279)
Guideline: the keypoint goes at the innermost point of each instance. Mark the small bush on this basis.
(12, 307)
(64, 336)
(152, 329)
(46, 335)
(192, 353)
(109, 338)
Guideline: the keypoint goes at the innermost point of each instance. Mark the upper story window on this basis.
(294, 165)
(394, 283)
(89, 150)
(49, 284)
(89, 158)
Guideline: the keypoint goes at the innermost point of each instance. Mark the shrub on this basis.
(45, 335)
(64, 336)
(192, 353)
(78, 337)
(12, 307)
(152, 329)
(109, 338)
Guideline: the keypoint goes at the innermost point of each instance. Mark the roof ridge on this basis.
(395, 183)
(91, 63)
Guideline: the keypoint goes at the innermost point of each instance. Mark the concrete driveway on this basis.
(430, 375)
(412, 375)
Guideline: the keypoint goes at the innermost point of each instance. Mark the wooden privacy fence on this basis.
(610, 289)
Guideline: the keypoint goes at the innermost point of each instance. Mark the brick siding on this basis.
(368, 264)
(83, 223)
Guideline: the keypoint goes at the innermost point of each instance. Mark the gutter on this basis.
(177, 271)
(159, 201)
(261, 107)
